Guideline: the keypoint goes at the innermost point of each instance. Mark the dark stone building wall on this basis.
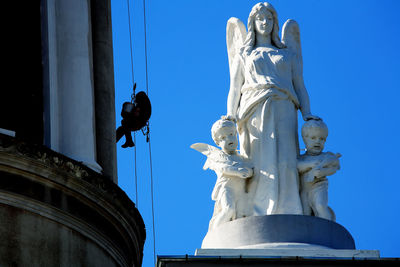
(57, 212)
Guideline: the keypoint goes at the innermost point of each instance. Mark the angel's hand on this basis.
(245, 172)
(309, 116)
(229, 118)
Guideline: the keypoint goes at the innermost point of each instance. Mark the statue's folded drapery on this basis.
(267, 124)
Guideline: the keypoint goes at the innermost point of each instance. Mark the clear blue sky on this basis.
(351, 70)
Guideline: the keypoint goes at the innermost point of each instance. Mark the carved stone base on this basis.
(279, 231)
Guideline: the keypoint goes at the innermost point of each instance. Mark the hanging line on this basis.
(148, 133)
(132, 97)
(145, 46)
(136, 179)
(152, 202)
(130, 39)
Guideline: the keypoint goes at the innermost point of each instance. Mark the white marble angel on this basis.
(232, 170)
(266, 90)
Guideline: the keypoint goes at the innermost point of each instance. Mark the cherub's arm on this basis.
(319, 173)
(327, 167)
(330, 160)
(305, 165)
(237, 171)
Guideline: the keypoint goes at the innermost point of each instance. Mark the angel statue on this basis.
(266, 89)
(232, 170)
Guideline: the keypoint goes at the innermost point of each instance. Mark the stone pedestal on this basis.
(256, 240)
(279, 231)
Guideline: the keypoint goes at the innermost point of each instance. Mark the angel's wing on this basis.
(291, 37)
(214, 155)
(235, 36)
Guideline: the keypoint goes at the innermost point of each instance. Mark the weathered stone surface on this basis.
(54, 206)
(69, 104)
(104, 91)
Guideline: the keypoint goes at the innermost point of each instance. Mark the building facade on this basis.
(59, 200)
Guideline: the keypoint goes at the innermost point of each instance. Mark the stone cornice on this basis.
(37, 166)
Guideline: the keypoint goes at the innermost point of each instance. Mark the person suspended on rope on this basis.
(135, 115)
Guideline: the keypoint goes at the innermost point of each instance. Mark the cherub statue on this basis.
(231, 168)
(266, 90)
(313, 167)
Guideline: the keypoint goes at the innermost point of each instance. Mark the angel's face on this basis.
(228, 139)
(264, 22)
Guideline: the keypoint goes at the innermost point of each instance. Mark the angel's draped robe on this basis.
(267, 124)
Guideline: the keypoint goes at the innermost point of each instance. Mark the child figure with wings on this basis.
(231, 168)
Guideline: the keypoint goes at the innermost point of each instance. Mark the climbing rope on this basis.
(132, 97)
(148, 133)
(146, 129)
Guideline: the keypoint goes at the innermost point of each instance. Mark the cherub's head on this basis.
(224, 135)
(314, 133)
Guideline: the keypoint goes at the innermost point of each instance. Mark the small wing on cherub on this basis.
(214, 155)
(235, 36)
(291, 38)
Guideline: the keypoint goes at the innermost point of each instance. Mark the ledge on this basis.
(55, 192)
(290, 252)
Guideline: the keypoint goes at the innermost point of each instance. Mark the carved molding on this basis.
(38, 166)
(44, 155)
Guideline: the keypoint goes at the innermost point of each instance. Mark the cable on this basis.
(133, 85)
(130, 39)
(152, 201)
(148, 134)
(145, 45)
(136, 179)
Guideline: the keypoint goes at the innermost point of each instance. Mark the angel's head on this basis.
(224, 135)
(263, 19)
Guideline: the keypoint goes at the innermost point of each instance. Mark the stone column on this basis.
(70, 123)
(104, 91)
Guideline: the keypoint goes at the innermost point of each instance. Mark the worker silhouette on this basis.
(135, 115)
